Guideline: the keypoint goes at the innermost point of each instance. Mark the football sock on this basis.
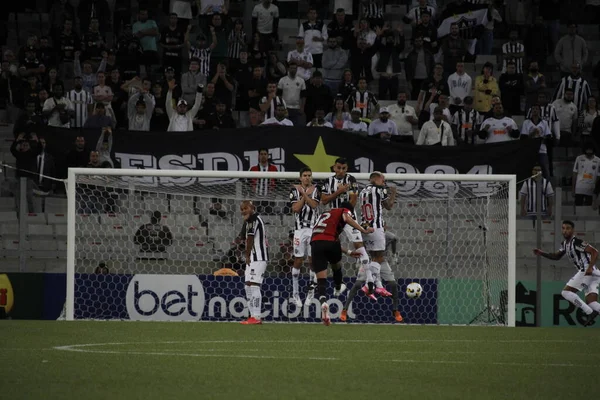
(355, 288)
(321, 289)
(575, 300)
(313, 276)
(249, 298)
(256, 301)
(384, 265)
(364, 257)
(376, 271)
(594, 305)
(295, 276)
(394, 286)
(337, 278)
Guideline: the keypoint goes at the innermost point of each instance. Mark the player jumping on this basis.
(305, 200)
(257, 255)
(342, 187)
(587, 278)
(326, 249)
(373, 199)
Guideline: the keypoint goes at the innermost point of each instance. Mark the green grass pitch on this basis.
(153, 360)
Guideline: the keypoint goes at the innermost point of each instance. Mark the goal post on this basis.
(454, 234)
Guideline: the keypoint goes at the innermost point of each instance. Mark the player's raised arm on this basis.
(551, 256)
(297, 199)
(350, 221)
(389, 202)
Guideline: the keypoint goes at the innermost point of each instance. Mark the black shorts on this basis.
(324, 252)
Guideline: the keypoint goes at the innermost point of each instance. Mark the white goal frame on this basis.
(72, 209)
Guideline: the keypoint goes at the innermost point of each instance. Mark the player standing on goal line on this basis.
(326, 249)
(305, 199)
(257, 255)
(342, 187)
(587, 278)
(373, 199)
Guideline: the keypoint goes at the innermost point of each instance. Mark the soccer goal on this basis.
(163, 245)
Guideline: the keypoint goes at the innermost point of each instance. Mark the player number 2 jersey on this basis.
(307, 216)
(329, 225)
(371, 205)
(255, 226)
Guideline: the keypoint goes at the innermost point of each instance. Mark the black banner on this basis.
(292, 148)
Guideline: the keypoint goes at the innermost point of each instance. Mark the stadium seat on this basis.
(60, 230)
(33, 218)
(55, 205)
(57, 219)
(8, 216)
(11, 230)
(34, 230)
(7, 203)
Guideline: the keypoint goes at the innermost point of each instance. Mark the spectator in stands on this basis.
(518, 15)
(172, 41)
(436, 132)
(386, 66)
(207, 9)
(347, 86)
(58, 109)
(355, 124)
(180, 118)
(31, 65)
(499, 128)
(223, 83)
(486, 86)
(159, 120)
(89, 9)
(256, 88)
(338, 116)
(314, 33)
(268, 104)
(191, 80)
(221, 118)
(466, 122)
(454, 48)
(551, 11)
(383, 127)
(82, 103)
(47, 54)
(319, 95)
(154, 237)
(122, 15)
(363, 99)
(265, 22)
(60, 11)
(535, 83)
(263, 187)
(95, 161)
(414, 13)
(67, 43)
(536, 127)
(42, 97)
(236, 42)
(512, 88)
(571, 49)
(460, 85)
(514, 52)
(485, 43)
(319, 120)
(209, 103)
(129, 54)
(537, 43)
(590, 114)
(529, 192)
(431, 89)
(46, 168)
(25, 148)
(581, 88)
(201, 51)
(104, 148)
(87, 74)
(146, 30)
(257, 55)
(567, 114)
(31, 90)
(585, 176)
(419, 66)
(279, 118)
(404, 117)
(103, 93)
(276, 68)
(341, 30)
(427, 31)
(372, 11)
(302, 57)
(98, 119)
(29, 121)
(93, 43)
(221, 32)
(442, 103)
(139, 112)
(51, 79)
(335, 60)
(292, 89)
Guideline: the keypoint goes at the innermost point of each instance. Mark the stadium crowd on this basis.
(201, 69)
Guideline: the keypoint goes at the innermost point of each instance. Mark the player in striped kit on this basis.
(587, 278)
(373, 199)
(257, 255)
(305, 200)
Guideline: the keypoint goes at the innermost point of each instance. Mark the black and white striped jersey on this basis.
(511, 48)
(529, 189)
(372, 10)
(371, 205)
(275, 101)
(204, 56)
(255, 226)
(575, 250)
(307, 216)
(464, 121)
(581, 91)
(80, 101)
(365, 101)
(332, 184)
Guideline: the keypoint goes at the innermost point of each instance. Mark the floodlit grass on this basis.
(151, 360)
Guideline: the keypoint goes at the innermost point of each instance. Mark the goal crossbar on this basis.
(510, 180)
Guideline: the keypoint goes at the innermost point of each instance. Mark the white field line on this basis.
(514, 364)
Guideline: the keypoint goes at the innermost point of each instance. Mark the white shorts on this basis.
(255, 272)
(375, 241)
(589, 284)
(386, 273)
(353, 235)
(302, 242)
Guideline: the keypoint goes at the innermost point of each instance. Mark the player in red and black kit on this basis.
(326, 249)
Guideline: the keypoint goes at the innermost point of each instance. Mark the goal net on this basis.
(165, 245)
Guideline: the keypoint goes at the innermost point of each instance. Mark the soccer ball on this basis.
(414, 290)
